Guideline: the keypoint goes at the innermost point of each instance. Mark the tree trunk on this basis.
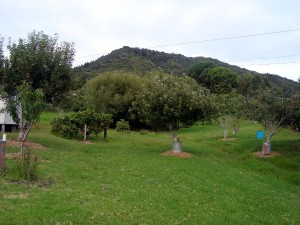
(105, 133)
(226, 129)
(24, 131)
(84, 133)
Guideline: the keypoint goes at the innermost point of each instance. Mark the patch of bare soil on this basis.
(228, 139)
(27, 143)
(260, 155)
(87, 142)
(16, 196)
(12, 155)
(180, 155)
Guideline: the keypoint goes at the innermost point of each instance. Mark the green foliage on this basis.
(229, 108)
(122, 126)
(25, 108)
(143, 61)
(72, 126)
(170, 102)
(230, 104)
(294, 119)
(27, 165)
(198, 68)
(41, 62)
(219, 79)
(251, 84)
(66, 128)
(32, 103)
(286, 86)
(271, 110)
(1, 60)
(113, 93)
(73, 101)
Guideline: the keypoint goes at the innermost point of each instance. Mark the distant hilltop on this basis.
(142, 61)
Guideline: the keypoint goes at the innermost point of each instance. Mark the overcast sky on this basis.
(98, 27)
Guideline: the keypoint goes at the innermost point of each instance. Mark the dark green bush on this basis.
(122, 126)
(72, 126)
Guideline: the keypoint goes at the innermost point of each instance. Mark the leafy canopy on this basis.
(113, 93)
(41, 62)
(71, 126)
(170, 102)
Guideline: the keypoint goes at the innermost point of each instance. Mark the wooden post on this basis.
(84, 137)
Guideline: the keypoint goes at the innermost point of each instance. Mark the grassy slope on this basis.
(125, 180)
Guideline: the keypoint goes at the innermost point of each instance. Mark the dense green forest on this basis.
(142, 61)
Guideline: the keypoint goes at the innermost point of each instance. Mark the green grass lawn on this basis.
(125, 180)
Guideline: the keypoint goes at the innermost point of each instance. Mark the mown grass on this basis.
(125, 180)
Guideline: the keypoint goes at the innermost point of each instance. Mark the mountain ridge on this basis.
(142, 61)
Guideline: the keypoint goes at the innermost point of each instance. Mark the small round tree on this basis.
(167, 102)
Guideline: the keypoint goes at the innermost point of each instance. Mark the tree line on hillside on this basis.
(143, 61)
(39, 68)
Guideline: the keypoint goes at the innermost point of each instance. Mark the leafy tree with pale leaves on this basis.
(167, 102)
(229, 110)
(272, 110)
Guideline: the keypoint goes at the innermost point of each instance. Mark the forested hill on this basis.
(142, 61)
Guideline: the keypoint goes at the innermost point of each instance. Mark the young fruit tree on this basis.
(167, 102)
(272, 111)
(229, 110)
(26, 109)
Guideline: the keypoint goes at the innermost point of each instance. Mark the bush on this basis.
(122, 126)
(27, 165)
(72, 126)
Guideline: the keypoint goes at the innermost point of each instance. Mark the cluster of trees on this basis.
(250, 96)
(38, 70)
(36, 73)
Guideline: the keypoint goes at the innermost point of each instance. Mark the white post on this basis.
(84, 135)
(4, 137)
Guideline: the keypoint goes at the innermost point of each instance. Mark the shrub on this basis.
(122, 126)
(27, 165)
(72, 126)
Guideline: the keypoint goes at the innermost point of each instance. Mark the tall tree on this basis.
(196, 70)
(219, 80)
(113, 93)
(294, 119)
(251, 84)
(168, 102)
(42, 62)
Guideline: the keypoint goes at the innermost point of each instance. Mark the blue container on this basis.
(260, 135)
